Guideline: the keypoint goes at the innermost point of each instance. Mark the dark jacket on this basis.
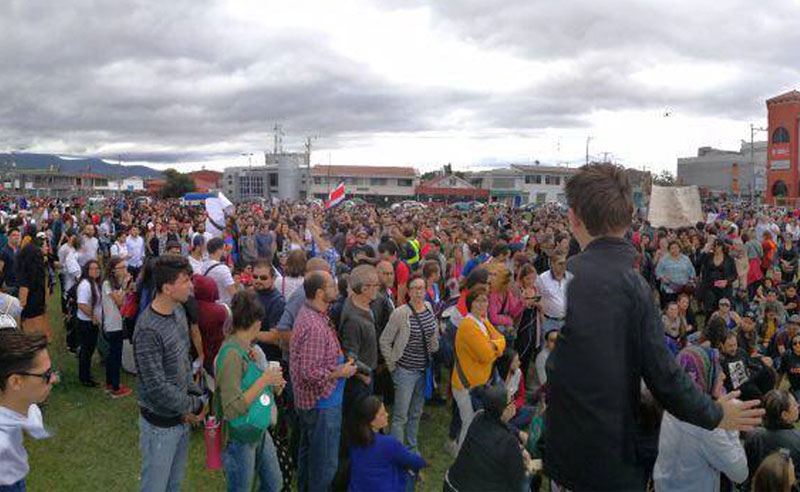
(762, 442)
(477, 470)
(274, 304)
(612, 339)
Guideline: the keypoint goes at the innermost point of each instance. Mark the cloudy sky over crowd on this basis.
(392, 82)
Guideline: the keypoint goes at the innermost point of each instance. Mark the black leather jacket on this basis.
(611, 341)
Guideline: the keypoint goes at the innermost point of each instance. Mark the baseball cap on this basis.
(751, 314)
(795, 319)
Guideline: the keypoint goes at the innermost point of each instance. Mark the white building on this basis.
(284, 176)
(522, 184)
(377, 184)
(130, 184)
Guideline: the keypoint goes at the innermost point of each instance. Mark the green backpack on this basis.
(251, 426)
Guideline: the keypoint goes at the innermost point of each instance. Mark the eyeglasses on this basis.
(261, 277)
(46, 375)
(795, 342)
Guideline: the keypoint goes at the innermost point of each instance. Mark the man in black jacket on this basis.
(613, 340)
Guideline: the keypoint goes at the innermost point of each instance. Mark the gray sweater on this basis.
(395, 336)
(161, 351)
(358, 333)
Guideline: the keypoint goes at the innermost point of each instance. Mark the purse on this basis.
(130, 306)
(251, 426)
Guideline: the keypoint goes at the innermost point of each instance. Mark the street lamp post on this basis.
(753, 130)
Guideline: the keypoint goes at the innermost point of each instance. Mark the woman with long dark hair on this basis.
(718, 271)
(377, 461)
(90, 319)
(116, 285)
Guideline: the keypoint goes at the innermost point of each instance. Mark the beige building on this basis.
(377, 184)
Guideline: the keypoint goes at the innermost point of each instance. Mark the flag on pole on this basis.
(336, 196)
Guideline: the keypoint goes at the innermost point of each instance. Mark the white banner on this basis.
(675, 206)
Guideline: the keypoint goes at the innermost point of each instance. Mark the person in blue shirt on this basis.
(378, 463)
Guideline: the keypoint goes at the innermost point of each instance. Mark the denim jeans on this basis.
(551, 324)
(241, 461)
(88, 337)
(318, 456)
(409, 398)
(114, 359)
(14, 487)
(165, 451)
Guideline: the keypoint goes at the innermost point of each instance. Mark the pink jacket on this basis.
(500, 315)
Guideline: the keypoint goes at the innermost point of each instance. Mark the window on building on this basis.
(377, 181)
(533, 179)
(503, 183)
(273, 180)
(780, 135)
(405, 182)
(477, 182)
(552, 180)
(317, 180)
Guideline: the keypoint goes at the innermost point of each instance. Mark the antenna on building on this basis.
(278, 139)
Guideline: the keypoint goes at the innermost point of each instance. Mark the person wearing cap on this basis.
(508, 466)
(691, 458)
(731, 317)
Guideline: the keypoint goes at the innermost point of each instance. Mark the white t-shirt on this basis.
(10, 304)
(88, 250)
(112, 320)
(120, 250)
(85, 297)
(72, 269)
(135, 251)
(197, 265)
(554, 294)
(223, 278)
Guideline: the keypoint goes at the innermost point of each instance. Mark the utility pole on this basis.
(309, 180)
(588, 139)
(277, 144)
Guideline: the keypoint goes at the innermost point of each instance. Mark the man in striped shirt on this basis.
(318, 371)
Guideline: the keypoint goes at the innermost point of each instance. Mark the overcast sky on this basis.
(392, 82)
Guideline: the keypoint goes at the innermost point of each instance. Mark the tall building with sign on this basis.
(783, 112)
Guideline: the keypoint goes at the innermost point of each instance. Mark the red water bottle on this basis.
(213, 443)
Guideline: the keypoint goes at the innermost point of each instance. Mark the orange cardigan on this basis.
(476, 352)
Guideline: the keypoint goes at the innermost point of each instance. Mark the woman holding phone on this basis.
(117, 284)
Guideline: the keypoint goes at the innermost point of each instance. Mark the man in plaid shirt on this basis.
(318, 371)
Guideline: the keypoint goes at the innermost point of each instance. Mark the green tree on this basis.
(664, 178)
(177, 184)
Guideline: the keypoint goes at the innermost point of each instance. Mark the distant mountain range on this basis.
(76, 165)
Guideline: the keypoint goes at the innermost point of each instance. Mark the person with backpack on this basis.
(90, 319)
(247, 402)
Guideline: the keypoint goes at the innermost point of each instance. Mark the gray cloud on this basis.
(173, 79)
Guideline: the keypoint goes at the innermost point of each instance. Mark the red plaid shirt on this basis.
(313, 355)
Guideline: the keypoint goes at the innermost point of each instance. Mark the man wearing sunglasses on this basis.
(273, 303)
(26, 376)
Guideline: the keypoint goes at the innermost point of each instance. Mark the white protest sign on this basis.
(674, 206)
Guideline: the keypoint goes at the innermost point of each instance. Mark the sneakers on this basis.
(110, 389)
(122, 391)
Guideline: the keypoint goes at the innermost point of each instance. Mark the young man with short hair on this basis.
(612, 340)
(26, 377)
(169, 400)
(219, 271)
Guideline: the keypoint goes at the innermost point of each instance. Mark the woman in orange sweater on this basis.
(478, 344)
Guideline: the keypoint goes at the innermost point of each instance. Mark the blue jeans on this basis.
(550, 324)
(409, 397)
(14, 487)
(164, 454)
(318, 456)
(241, 461)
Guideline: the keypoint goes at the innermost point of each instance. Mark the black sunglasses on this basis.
(46, 375)
(261, 277)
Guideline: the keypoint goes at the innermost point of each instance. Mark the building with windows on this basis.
(522, 184)
(731, 172)
(783, 112)
(449, 188)
(131, 185)
(284, 176)
(376, 184)
(52, 182)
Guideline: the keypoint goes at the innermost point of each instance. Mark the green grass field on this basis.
(95, 443)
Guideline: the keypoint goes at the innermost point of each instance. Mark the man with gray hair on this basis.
(357, 331)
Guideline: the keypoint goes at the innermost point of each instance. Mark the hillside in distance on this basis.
(76, 165)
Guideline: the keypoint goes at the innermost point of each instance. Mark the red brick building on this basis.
(783, 113)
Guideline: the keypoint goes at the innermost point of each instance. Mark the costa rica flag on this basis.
(336, 196)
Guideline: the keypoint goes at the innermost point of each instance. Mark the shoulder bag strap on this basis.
(211, 268)
(422, 332)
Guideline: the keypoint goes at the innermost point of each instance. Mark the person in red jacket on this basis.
(212, 318)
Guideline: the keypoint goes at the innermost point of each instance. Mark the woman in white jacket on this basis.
(691, 458)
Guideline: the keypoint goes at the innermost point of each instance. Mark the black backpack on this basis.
(71, 317)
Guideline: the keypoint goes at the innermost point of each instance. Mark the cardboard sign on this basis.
(674, 206)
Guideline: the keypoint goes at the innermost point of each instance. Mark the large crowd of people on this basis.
(581, 346)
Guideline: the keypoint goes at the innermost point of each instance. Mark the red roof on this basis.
(791, 96)
(370, 171)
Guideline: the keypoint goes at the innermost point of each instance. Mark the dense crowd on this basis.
(583, 348)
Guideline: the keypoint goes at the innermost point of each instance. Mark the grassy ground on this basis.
(95, 442)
